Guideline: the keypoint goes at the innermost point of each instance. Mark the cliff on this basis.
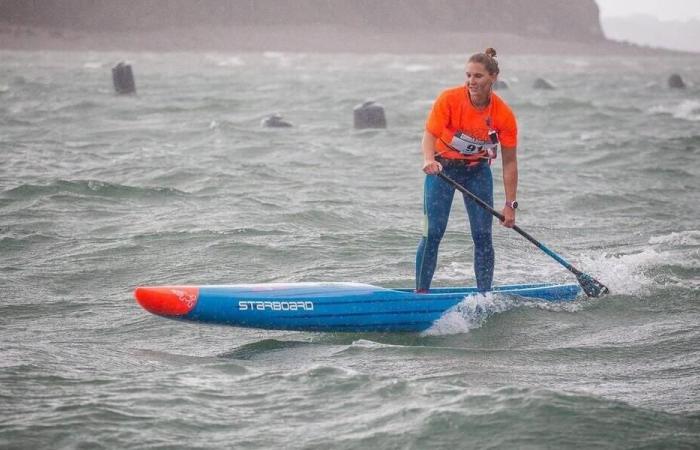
(303, 25)
(574, 20)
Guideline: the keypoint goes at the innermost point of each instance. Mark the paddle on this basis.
(591, 286)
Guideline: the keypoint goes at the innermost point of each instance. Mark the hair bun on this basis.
(490, 52)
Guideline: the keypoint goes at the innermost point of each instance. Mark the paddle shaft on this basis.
(500, 217)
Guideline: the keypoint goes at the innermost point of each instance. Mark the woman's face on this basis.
(479, 81)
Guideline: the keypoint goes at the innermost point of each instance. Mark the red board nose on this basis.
(167, 300)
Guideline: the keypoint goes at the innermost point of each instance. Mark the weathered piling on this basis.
(123, 79)
(676, 82)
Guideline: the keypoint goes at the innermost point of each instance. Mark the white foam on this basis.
(686, 238)
(417, 68)
(592, 135)
(687, 109)
(578, 63)
(471, 313)
(570, 307)
(282, 59)
(93, 65)
(636, 273)
(455, 271)
(365, 343)
(625, 274)
(225, 61)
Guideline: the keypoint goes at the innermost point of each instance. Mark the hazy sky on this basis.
(662, 9)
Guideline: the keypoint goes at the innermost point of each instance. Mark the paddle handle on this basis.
(500, 217)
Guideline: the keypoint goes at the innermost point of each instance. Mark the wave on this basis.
(686, 110)
(470, 313)
(94, 65)
(417, 416)
(6, 120)
(255, 349)
(636, 274)
(31, 310)
(474, 311)
(206, 105)
(170, 358)
(215, 239)
(557, 103)
(410, 68)
(406, 345)
(515, 417)
(624, 274)
(18, 241)
(224, 60)
(682, 145)
(87, 188)
(689, 238)
(80, 106)
(639, 274)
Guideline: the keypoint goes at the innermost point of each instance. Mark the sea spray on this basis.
(690, 238)
(641, 271)
(686, 110)
(471, 313)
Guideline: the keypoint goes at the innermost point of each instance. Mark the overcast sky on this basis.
(662, 9)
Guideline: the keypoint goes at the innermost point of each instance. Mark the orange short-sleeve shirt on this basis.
(452, 112)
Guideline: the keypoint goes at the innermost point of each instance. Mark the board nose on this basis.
(167, 301)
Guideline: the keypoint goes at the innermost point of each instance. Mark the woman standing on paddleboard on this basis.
(461, 138)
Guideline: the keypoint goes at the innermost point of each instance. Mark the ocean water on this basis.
(179, 184)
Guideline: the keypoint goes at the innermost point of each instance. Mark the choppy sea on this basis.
(179, 184)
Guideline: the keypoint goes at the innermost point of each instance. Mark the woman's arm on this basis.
(510, 183)
(430, 166)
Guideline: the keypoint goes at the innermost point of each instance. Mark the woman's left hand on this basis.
(509, 216)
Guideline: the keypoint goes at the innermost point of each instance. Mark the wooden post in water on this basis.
(676, 82)
(123, 79)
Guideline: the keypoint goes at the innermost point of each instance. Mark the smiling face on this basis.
(479, 82)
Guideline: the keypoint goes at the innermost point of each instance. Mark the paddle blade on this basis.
(591, 286)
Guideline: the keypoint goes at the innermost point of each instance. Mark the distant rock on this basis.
(275, 121)
(541, 83)
(369, 115)
(676, 82)
(500, 85)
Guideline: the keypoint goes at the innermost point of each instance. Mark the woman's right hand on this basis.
(432, 167)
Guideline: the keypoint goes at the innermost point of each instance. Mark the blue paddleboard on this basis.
(330, 306)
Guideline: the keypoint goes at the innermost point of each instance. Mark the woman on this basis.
(461, 137)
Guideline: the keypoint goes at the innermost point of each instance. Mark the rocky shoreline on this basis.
(320, 39)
